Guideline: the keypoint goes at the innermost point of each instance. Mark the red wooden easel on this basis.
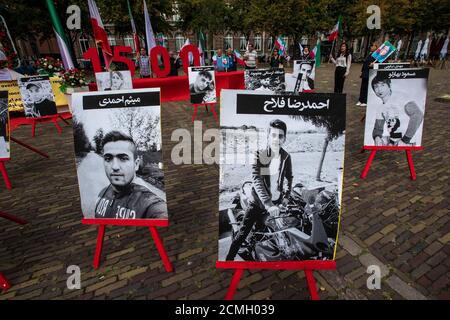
(151, 224)
(194, 113)
(3, 160)
(308, 266)
(374, 149)
(4, 284)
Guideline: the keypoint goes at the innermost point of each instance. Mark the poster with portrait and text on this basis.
(281, 165)
(118, 151)
(4, 126)
(202, 86)
(267, 80)
(396, 107)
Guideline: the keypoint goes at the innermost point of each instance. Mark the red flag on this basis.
(101, 38)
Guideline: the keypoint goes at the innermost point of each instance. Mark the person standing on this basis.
(220, 61)
(367, 65)
(144, 63)
(399, 47)
(250, 57)
(232, 64)
(174, 64)
(418, 50)
(305, 54)
(276, 60)
(343, 63)
(443, 53)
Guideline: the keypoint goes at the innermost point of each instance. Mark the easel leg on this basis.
(234, 284)
(206, 107)
(311, 284)
(29, 147)
(58, 128)
(368, 163)
(194, 114)
(5, 175)
(161, 250)
(99, 247)
(214, 113)
(64, 120)
(33, 128)
(412, 171)
(12, 218)
(4, 284)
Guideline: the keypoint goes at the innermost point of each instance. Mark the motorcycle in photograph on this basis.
(305, 229)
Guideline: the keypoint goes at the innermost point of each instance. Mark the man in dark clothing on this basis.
(124, 199)
(174, 64)
(41, 105)
(367, 64)
(270, 168)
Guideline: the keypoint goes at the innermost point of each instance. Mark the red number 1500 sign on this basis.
(92, 55)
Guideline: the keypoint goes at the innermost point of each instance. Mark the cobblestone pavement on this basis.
(388, 220)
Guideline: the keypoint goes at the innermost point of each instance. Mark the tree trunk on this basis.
(324, 151)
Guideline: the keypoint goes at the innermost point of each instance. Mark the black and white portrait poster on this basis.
(302, 77)
(37, 96)
(114, 80)
(396, 107)
(267, 80)
(117, 137)
(4, 126)
(391, 66)
(281, 165)
(202, 84)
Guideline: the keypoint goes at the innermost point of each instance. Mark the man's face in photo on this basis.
(276, 138)
(306, 69)
(36, 93)
(119, 161)
(381, 89)
(202, 83)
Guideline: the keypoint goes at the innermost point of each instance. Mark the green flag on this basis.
(60, 37)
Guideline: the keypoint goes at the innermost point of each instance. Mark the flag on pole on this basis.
(100, 36)
(190, 56)
(300, 47)
(239, 58)
(133, 28)
(60, 37)
(281, 45)
(336, 30)
(201, 47)
(315, 53)
(151, 42)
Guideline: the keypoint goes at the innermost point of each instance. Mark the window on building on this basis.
(179, 41)
(228, 41)
(112, 40)
(304, 40)
(163, 40)
(128, 41)
(258, 42)
(84, 44)
(242, 43)
(269, 43)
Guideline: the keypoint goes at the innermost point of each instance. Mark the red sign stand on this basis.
(194, 114)
(151, 224)
(3, 160)
(4, 284)
(308, 266)
(374, 149)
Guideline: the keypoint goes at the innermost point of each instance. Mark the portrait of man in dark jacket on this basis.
(123, 198)
(271, 183)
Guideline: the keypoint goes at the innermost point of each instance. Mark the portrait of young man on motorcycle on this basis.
(271, 184)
